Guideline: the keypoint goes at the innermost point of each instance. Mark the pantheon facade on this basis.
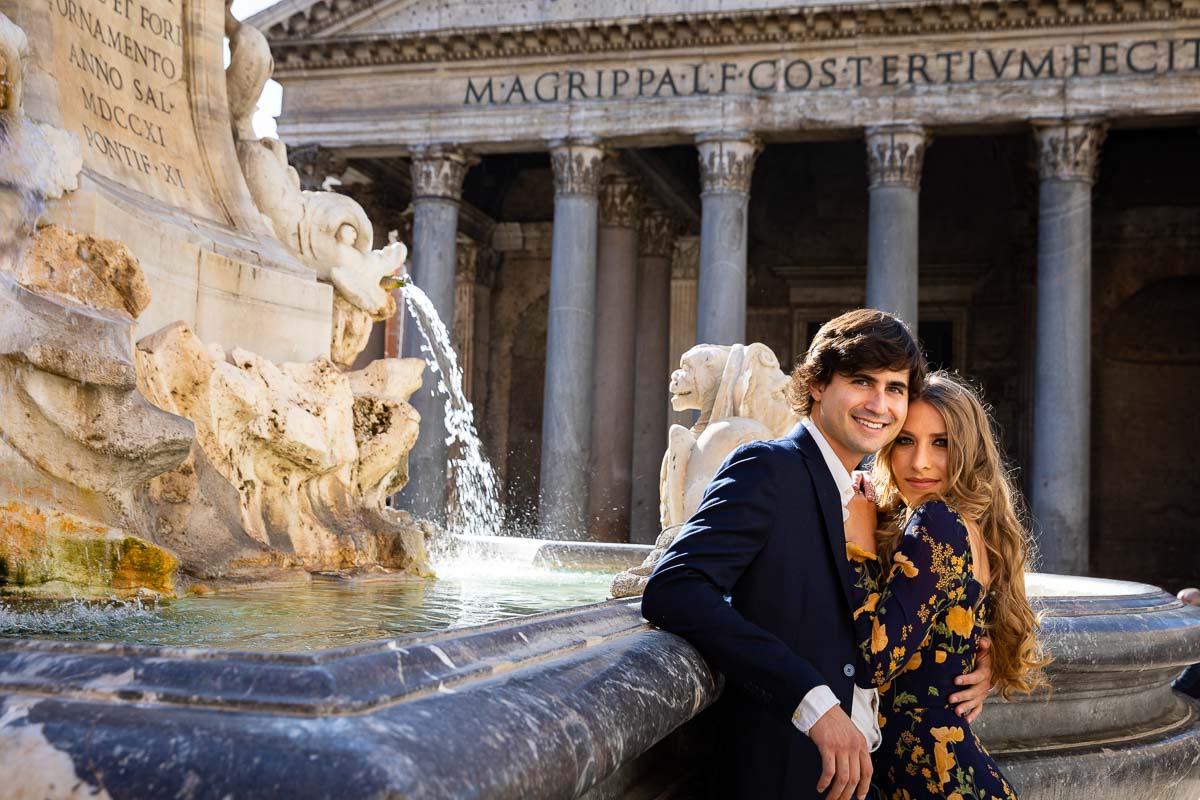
(591, 187)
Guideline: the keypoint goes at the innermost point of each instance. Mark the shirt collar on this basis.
(841, 478)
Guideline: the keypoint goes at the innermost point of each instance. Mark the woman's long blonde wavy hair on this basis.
(982, 491)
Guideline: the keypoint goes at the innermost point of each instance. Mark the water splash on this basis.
(475, 506)
(74, 618)
(21, 200)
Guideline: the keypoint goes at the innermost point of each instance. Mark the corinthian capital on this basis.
(438, 171)
(727, 161)
(578, 166)
(1069, 150)
(620, 200)
(656, 234)
(685, 260)
(895, 154)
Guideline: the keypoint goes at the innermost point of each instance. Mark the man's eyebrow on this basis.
(898, 385)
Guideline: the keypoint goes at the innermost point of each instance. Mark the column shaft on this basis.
(437, 186)
(570, 338)
(685, 269)
(894, 159)
(726, 166)
(652, 367)
(611, 454)
(1060, 474)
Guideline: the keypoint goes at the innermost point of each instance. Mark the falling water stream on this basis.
(476, 508)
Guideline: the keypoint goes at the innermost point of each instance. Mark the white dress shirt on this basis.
(865, 706)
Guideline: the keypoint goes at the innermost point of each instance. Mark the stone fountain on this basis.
(139, 206)
(176, 321)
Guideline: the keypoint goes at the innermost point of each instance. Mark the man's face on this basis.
(862, 412)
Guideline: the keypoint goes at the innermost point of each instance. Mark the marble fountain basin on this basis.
(588, 701)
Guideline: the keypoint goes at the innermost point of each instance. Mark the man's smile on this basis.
(870, 425)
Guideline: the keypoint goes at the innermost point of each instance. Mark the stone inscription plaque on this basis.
(125, 83)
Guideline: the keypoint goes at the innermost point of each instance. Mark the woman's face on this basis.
(919, 456)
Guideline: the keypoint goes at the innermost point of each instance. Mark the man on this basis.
(758, 578)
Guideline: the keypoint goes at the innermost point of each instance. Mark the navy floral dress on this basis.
(919, 626)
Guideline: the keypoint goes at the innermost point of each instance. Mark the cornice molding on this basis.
(296, 43)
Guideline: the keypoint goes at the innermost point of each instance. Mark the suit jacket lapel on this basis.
(831, 507)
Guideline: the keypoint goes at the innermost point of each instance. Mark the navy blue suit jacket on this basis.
(769, 535)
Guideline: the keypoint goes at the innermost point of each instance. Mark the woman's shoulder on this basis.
(939, 520)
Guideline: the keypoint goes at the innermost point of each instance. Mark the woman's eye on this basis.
(941, 442)
(904, 440)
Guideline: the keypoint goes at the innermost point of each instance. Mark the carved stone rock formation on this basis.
(327, 231)
(292, 462)
(740, 392)
(77, 440)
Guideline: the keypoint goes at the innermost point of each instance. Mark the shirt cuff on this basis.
(814, 705)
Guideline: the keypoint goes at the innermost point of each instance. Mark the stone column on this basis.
(437, 178)
(1068, 154)
(611, 456)
(463, 330)
(570, 338)
(652, 368)
(685, 271)
(726, 165)
(894, 158)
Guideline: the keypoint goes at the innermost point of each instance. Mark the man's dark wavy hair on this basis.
(863, 340)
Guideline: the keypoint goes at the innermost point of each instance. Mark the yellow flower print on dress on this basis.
(879, 638)
(904, 564)
(868, 605)
(943, 759)
(856, 553)
(960, 620)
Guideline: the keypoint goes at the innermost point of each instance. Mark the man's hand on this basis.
(846, 764)
(969, 702)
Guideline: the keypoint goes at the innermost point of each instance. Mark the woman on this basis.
(955, 554)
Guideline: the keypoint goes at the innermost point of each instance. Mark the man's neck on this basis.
(850, 460)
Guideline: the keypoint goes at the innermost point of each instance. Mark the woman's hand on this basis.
(860, 525)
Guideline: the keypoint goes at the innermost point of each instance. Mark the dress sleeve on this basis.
(923, 587)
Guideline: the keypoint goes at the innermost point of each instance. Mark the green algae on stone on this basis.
(51, 553)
